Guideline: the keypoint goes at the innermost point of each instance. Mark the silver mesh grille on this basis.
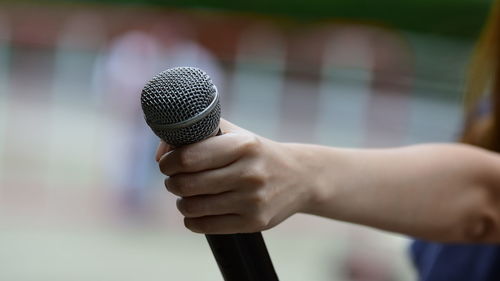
(178, 95)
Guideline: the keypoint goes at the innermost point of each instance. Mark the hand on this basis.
(234, 183)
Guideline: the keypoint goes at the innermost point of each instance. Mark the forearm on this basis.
(438, 192)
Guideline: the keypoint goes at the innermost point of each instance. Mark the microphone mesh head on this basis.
(180, 95)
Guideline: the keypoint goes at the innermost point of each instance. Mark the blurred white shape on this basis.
(130, 61)
(179, 48)
(258, 80)
(345, 87)
(189, 53)
(127, 153)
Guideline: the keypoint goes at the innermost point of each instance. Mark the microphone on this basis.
(181, 105)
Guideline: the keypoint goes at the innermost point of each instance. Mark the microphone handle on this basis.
(242, 257)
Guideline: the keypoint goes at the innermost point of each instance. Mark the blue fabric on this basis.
(456, 262)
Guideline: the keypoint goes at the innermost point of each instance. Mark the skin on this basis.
(240, 182)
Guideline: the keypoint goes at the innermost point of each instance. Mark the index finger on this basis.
(212, 153)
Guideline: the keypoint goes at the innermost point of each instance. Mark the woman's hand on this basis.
(240, 182)
(234, 183)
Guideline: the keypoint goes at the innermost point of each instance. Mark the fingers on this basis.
(226, 224)
(209, 205)
(239, 176)
(212, 153)
(202, 183)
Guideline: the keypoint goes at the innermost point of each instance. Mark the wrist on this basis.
(315, 165)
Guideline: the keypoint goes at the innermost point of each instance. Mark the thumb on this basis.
(228, 127)
(225, 127)
(161, 150)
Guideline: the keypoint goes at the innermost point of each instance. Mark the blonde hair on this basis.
(484, 83)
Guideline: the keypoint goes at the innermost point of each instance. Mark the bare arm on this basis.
(240, 182)
(441, 192)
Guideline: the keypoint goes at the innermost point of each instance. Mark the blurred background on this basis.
(81, 197)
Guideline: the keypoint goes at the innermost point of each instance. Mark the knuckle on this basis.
(187, 207)
(168, 184)
(258, 222)
(251, 144)
(163, 167)
(191, 224)
(179, 185)
(197, 225)
(186, 158)
(257, 204)
(255, 176)
(258, 199)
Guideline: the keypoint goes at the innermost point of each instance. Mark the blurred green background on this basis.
(80, 194)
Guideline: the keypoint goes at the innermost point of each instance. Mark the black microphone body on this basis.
(242, 256)
(181, 105)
